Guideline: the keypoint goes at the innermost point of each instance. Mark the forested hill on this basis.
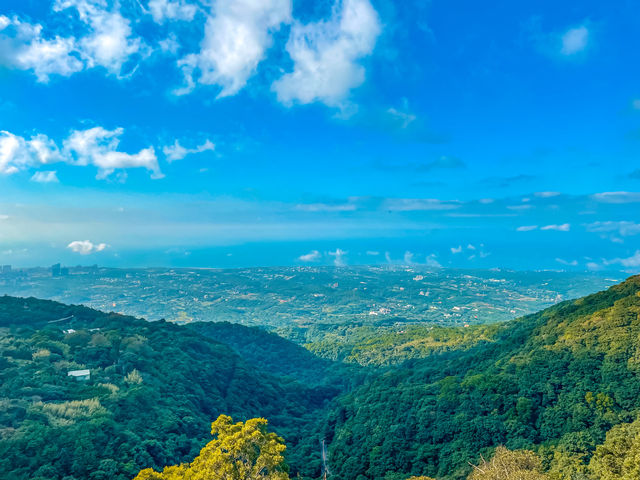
(555, 382)
(153, 391)
(279, 356)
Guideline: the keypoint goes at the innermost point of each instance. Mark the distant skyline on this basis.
(229, 133)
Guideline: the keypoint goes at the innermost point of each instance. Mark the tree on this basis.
(239, 451)
(509, 465)
(618, 458)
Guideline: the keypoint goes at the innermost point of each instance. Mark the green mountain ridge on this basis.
(554, 382)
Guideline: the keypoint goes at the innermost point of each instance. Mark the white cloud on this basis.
(178, 152)
(432, 262)
(312, 256)
(622, 228)
(326, 55)
(170, 44)
(574, 40)
(373, 253)
(23, 46)
(546, 194)
(457, 249)
(237, 36)
(86, 247)
(44, 149)
(632, 261)
(162, 10)
(617, 197)
(4, 217)
(339, 255)
(98, 146)
(110, 41)
(635, 104)
(45, 177)
(565, 227)
(412, 204)
(471, 247)
(107, 41)
(326, 207)
(17, 153)
(572, 263)
(95, 146)
(526, 228)
(408, 258)
(12, 152)
(403, 116)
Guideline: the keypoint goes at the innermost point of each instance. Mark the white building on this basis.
(80, 375)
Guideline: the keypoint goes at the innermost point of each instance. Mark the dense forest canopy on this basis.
(558, 389)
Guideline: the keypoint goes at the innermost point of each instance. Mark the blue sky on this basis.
(261, 132)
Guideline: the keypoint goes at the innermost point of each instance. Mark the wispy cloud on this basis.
(326, 207)
(569, 263)
(403, 117)
(169, 10)
(312, 256)
(617, 197)
(339, 257)
(45, 177)
(565, 227)
(632, 261)
(614, 229)
(546, 194)
(526, 228)
(418, 204)
(178, 152)
(574, 40)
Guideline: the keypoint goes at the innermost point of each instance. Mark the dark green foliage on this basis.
(274, 354)
(559, 379)
(153, 392)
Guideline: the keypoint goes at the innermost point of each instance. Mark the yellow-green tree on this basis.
(509, 465)
(618, 458)
(239, 451)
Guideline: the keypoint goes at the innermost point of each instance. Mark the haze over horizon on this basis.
(451, 134)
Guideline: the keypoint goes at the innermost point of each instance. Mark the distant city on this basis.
(300, 297)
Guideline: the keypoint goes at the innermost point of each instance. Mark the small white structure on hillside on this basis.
(80, 375)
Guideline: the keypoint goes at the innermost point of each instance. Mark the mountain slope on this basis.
(153, 392)
(555, 381)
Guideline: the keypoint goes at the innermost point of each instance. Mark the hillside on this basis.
(154, 389)
(279, 356)
(554, 382)
(563, 383)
